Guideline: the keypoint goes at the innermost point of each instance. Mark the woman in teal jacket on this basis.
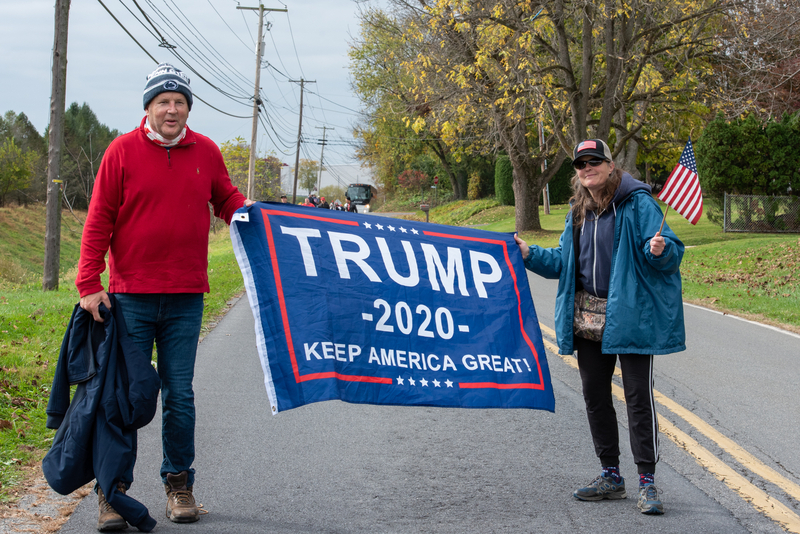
(611, 251)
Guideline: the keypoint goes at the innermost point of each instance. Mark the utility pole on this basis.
(58, 93)
(302, 83)
(546, 190)
(256, 95)
(321, 152)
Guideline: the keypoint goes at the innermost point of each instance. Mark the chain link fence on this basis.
(761, 214)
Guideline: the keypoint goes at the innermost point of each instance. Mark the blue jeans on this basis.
(173, 322)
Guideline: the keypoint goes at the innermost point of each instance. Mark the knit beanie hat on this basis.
(167, 78)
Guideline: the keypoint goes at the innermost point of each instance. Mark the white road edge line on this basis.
(775, 328)
(758, 498)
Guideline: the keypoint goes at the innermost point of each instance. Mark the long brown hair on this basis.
(582, 200)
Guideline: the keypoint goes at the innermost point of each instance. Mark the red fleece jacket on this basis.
(149, 208)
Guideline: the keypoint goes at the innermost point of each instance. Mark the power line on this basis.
(294, 45)
(226, 24)
(194, 95)
(341, 106)
(207, 43)
(189, 49)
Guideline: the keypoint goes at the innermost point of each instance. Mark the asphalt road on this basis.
(333, 467)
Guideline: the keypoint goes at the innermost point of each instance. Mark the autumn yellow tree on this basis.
(392, 137)
(540, 76)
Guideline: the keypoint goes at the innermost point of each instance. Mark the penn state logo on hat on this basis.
(167, 78)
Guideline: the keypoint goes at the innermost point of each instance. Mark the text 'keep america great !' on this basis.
(374, 310)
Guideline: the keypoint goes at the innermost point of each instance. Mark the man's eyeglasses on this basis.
(594, 162)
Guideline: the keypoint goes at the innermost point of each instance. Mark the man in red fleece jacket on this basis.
(149, 211)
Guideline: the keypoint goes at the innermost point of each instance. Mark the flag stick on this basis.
(663, 219)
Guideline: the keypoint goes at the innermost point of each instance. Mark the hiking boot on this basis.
(181, 507)
(109, 520)
(602, 488)
(649, 503)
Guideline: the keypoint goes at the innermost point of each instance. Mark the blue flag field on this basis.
(374, 310)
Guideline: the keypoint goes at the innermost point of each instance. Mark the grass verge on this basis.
(32, 325)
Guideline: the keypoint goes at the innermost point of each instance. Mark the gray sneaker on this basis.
(649, 503)
(601, 488)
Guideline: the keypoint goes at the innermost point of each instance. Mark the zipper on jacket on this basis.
(594, 252)
(169, 159)
(594, 255)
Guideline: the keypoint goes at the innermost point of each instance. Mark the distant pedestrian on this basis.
(309, 203)
(619, 297)
(324, 203)
(284, 200)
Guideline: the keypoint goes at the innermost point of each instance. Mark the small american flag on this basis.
(682, 190)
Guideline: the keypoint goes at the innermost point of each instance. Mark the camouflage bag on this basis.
(590, 316)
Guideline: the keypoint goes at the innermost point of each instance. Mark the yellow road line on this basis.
(734, 449)
(767, 505)
(758, 498)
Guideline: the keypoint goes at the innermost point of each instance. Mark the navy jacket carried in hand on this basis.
(117, 394)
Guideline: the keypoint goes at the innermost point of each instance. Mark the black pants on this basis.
(596, 371)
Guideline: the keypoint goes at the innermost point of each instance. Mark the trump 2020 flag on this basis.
(374, 310)
(682, 191)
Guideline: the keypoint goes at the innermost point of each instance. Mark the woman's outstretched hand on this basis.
(523, 246)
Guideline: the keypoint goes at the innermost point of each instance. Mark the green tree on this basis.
(561, 184)
(308, 175)
(19, 128)
(333, 192)
(16, 168)
(749, 157)
(236, 154)
(85, 142)
(504, 181)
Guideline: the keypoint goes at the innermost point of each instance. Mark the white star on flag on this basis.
(399, 381)
(424, 383)
(411, 381)
(449, 383)
(367, 225)
(682, 190)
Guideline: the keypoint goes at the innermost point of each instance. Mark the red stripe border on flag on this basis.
(374, 379)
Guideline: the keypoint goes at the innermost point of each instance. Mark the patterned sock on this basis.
(613, 473)
(646, 478)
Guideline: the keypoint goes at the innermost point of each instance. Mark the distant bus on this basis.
(361, 195)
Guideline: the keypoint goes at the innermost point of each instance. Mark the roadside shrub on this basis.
(504, 181)
(474, 186)
(560, 186)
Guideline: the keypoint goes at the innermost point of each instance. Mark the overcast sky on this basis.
(107, 69)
